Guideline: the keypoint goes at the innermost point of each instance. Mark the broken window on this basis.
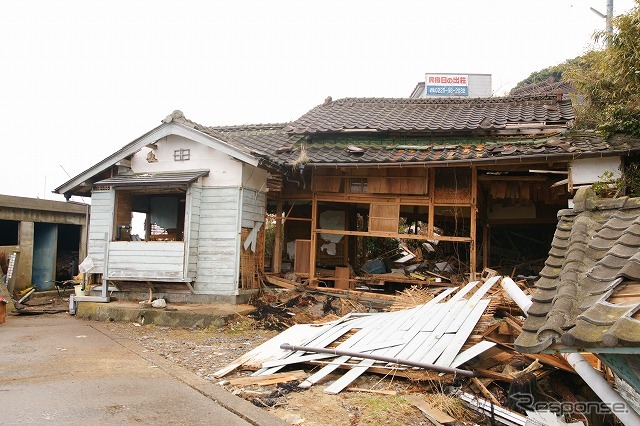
(149, 216)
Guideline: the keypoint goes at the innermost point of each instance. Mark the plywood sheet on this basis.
(384, 217)
(342, 277)
(302, 257)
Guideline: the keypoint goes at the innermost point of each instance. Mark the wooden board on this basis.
(270, 379)
(342, 277)
(429, 411)
(384, 217)
(302, 257)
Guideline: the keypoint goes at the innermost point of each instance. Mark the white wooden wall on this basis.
(219, 241)
(192, 233)
(253, 208)
(142, 260)
(100, 222)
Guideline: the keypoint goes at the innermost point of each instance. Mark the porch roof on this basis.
(184, 177)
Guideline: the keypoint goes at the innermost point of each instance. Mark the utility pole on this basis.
(608, 17)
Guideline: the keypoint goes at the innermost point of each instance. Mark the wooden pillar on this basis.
(432, 186)
(486, 245)
(277, 244)
(474, 214)
(314, 237)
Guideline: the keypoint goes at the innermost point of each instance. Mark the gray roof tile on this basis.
(430, 115)
(596, 255)
(402, 138)
(548, 86)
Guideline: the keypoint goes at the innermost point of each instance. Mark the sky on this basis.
(80, 79)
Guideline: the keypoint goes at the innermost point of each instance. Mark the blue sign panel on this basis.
(447, 90)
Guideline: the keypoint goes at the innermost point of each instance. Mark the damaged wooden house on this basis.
(453, 185)
(357, 192)
(178, 209)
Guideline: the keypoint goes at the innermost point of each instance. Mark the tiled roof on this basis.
(595, 251)
(261, 140)
(547, 87)
(430, 115)
(271, 142)
(419, 150)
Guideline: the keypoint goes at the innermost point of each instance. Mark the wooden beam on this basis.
(381, 392)
(432, 189)
(483, 389)
(314, 238)
(486, 245)
(474, 214)
(269, 379)
(494, 375)
(393, 235)
(557, 172)
(489, 178)
(277, 246)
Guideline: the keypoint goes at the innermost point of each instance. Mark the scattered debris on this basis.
(271, 379)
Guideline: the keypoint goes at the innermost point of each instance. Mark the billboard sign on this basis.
(447, 85)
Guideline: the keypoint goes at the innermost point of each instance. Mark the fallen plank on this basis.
(381, 392)
(288, 376)
(362, 337)
(281, 282)
(267, 350)
(484, 390)
(494, 375)
(498, 413)
(548, 359)
(355, 294)
(433, 414)
(471, 353)
(411, 317)
(313, 357)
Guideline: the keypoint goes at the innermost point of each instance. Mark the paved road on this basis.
(57, 369)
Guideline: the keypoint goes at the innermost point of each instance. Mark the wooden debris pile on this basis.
(437, 338)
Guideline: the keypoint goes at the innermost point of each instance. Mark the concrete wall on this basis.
(28, 211)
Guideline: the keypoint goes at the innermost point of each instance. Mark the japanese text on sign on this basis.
(447, 85)
(443, 79)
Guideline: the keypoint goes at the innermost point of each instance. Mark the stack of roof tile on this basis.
(595, 251)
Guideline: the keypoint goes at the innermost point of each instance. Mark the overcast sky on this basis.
(80, 79)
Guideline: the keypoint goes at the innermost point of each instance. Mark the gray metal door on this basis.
(44, 255)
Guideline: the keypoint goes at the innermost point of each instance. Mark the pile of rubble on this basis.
(444, 340)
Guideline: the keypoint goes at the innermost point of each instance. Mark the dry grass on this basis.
(451, 405)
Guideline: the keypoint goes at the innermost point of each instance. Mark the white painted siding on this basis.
(254, 177)
(149, 260)
(253, 208)
(100, 222)
(218, 241)
(223, 170)
(586, 171)
(193, 232)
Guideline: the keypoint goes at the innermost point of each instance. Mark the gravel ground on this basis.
(204, 351)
